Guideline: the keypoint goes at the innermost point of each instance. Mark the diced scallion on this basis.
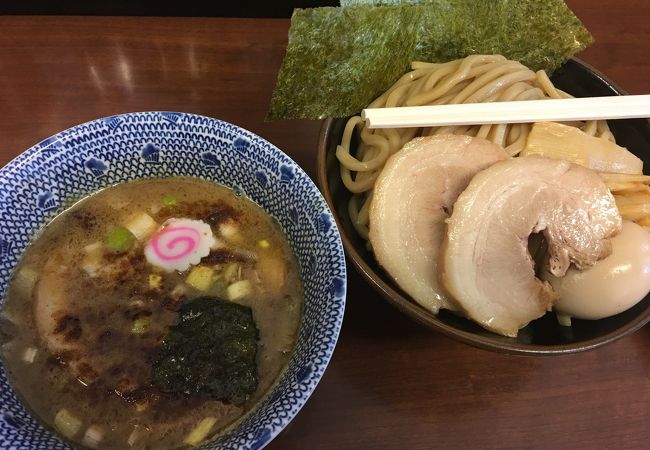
(94, 435)
(170, 201)
(200, 431)
(263, 243)
(230, 230)
(140, 326)
(94, 248)
(119, 240)
(29, 355)
(201, 278)
(26, 279)
(155, 281)
(141, 225)
(67, 423)
(93, 258)
(239, 290)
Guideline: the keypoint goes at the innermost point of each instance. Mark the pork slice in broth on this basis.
(87, 327)
(54, 313)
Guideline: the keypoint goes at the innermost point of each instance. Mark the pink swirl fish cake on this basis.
(179, 244)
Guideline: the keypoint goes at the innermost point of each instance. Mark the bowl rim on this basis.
(267, 400)
(407, 306)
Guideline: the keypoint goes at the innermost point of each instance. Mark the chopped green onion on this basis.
(66, 423)
(230, 230)
(29, 356)
(26, 279)
(141, 225)
(200, 277)
(140, 326)
(119, 240)
(155, 281)
(200, 432)
(94, 249)
(170, 201)
(93, 259)
(263, 243)
(94, 435)
(239, 290)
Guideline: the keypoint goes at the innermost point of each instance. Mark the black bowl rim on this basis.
(419, 314)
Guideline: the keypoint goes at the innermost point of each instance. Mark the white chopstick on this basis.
(566, 109)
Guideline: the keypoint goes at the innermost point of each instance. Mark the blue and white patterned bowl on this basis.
(36, 185)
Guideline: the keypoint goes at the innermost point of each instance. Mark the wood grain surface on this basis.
(391, 384)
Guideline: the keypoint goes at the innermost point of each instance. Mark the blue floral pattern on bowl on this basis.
(50, 176)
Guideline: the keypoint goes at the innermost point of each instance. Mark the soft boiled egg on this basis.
(613, 284)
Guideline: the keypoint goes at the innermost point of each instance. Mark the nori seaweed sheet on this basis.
(339, 59)
(211, 353)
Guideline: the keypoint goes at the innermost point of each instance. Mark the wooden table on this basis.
(392, 383)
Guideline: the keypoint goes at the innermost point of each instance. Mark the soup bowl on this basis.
(543, 336)
(53, 174)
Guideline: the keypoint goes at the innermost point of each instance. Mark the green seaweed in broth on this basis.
(91, 381)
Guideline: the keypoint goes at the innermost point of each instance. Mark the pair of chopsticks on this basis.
(566, 109)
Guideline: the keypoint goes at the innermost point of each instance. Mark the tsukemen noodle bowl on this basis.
(168, 281)
(442, 254)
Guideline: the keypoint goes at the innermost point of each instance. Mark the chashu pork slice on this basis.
(486, 265)
(87, 323)
(413, 196)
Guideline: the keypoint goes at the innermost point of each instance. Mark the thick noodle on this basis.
(477, 78)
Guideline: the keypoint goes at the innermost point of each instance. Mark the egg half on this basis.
(613, 284)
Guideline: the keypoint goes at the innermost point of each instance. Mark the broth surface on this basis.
(110, 318)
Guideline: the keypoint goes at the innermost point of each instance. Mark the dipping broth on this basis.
(152, 314)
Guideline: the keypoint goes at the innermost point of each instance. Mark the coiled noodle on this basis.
(475, 79)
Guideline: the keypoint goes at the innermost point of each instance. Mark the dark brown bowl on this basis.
(541, 337)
